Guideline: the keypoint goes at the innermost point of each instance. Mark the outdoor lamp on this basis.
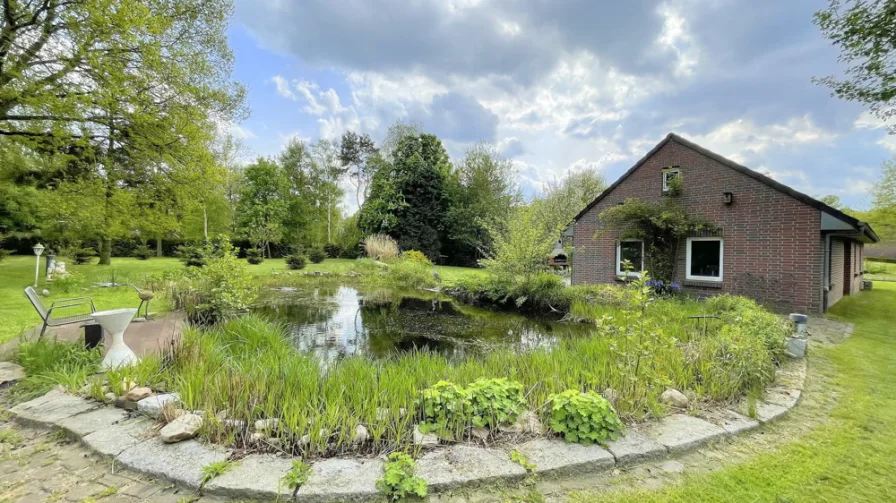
(38, 249)
(728, 197)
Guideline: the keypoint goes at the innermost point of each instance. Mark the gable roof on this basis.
(862, 227)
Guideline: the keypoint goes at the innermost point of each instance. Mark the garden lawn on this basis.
(880, 271)
(850, 457)
(17, 272)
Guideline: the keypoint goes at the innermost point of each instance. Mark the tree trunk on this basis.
(204, 222)
(105, 251)
(158, 246)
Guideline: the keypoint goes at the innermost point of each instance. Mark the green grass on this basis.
(849, 456)
(880, 271)
(17, 272)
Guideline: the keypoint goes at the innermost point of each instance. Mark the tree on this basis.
(863, 30)
(882, 216)
(409, 200)
(263, 205)
(355, 153)
(485, 198)
(328, 170)
(832, 201)
(566, 197)
(521, 248)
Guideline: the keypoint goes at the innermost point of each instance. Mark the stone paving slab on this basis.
(768, 412)
(52, 407)
(10, 372)
(114, 439)
(180, 463)
(461, 465)
(557, 457)
(730, 421)
(342, 480)
(84, 424)
(680, 432)
(255, 477)
(783, 397)
(635, 447)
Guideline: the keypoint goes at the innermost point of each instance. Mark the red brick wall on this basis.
(838, 255)
(772, 245)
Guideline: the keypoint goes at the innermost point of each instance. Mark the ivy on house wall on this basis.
(660, 225)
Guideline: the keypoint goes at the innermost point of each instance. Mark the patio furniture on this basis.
(48, 317)
(115, 322)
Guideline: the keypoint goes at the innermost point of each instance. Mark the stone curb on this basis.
(134, 443)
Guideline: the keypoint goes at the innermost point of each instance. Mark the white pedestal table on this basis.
(115, 322)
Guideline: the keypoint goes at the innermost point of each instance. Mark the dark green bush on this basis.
(317, 255)
(143, 252)
(296, 261)
(191, 255)
(585, 418)
(3, 254)
(333, 250)
(82, 255)
(253, 256)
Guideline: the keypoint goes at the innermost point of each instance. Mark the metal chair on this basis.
(47, 314)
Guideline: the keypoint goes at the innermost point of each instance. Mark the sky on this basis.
(562, 85)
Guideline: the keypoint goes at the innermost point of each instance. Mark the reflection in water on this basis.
(339, 321)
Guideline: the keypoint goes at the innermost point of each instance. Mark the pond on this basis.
(335, 321)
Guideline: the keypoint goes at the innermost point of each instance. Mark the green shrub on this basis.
(143, 252)
(485, 403)
(317, 255)
(495, 401)
(4, 253)
(69, 283)
(584, 418)
(333, 250)
(253, 256)
(399, 481)
(445, 407)
(82, 256)
(417, 257)
(190, 255)
(296, 262)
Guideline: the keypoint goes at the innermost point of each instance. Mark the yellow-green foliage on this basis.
(416, 257)
(399, 481)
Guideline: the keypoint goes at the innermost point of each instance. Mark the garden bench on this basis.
(47, 314)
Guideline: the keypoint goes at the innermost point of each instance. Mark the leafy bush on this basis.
(4, 253)
(253, 256)
(485, 403)
(297, 475)
(143, 252)
(417, 257)
(333, 250)
(380, 247)
(69, 283)
(317, 255)
(296, 261)
(445, 407)
(81, 256)
(216, 291)
(191, 255)
(495, 401)
(399, 481)
(584, 418)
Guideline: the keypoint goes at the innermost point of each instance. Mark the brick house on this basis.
(774, 244)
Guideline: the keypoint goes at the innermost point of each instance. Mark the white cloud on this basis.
(867, 120)
(283, 87)
(676, 39)
(742, 138)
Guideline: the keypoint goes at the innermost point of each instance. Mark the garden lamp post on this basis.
(38, 249)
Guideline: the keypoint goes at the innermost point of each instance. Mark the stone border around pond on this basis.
(135, 443)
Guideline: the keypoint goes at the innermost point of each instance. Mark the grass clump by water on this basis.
(248, 368)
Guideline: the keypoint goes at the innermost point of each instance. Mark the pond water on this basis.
(337, 321)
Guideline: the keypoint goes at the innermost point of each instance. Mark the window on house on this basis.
(669, 174)
(704, 259)
(633, 251)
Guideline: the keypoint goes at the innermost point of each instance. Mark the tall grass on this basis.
(247, 368)
(48, 363)
(380, 247)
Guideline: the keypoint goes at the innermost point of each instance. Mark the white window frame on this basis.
(666, 177)
(687, 264)
(619, 272)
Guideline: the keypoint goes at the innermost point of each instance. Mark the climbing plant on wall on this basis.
(661, 226)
